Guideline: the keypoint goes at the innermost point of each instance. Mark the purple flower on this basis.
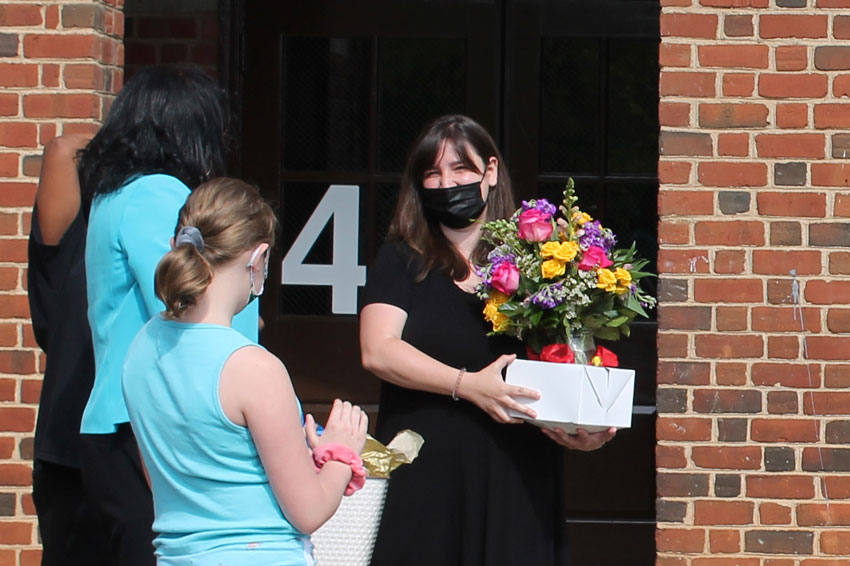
(596, 235)
(540, 204)
(500, 254)
(484, 273)
(546, 297)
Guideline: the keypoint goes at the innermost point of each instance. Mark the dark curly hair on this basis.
(166, 119)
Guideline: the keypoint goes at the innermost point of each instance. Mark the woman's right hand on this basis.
(346, 425)
(488, 390)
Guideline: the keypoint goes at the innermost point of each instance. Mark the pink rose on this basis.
(535, 226)
(593, 257)
(505, 278)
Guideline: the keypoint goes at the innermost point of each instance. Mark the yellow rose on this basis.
(581, 218)
(566, 251)
(500, 321)
(552, 268)
(549, 249)
(497, 297)
(606, 280)
(624, 279)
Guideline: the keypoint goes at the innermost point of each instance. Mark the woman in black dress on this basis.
(485, 488)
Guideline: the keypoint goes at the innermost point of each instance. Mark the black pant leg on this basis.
(72, 532)
(115, 484)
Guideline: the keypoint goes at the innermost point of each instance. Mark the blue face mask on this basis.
(252, 295)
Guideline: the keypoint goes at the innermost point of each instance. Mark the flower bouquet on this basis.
(555, 280)
(555, 276)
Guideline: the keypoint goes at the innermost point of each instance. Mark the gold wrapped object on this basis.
(380, 460)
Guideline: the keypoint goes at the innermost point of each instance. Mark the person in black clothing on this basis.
(72, 532)
(485, 489)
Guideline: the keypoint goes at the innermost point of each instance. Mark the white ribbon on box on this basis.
(575, 396)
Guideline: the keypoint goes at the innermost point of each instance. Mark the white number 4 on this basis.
(344, 275)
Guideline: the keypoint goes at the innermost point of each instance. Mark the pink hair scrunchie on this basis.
(339, 453)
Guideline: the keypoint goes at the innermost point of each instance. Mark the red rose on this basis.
(606, 357)
(535, 226)
(558, 353)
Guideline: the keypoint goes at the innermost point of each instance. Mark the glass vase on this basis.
(583, 346)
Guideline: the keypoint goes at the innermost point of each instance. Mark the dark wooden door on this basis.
(330, 94)
(581, 102)
(333, 93)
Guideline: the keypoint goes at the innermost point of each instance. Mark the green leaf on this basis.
(614, 323)
(594, 320)
(510, 309)
(634, 304)
(533, 342)
(606, 333)
(640, 274)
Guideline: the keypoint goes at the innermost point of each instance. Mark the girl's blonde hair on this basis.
(231, 217)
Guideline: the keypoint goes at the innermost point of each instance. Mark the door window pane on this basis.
(570, 109)
(419, 80)
(593, 88)
(325, 122)
(386, 196)
(633, 106)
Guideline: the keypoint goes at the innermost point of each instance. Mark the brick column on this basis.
(753, 429)
(60, 66)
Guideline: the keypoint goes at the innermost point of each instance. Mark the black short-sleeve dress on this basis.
(480, 493)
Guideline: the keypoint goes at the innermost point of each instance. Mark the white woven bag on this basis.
(347, 539)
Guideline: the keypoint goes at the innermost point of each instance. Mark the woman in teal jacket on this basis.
(164, 136)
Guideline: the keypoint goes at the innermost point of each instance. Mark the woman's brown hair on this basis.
(231, 217)
(420, 231)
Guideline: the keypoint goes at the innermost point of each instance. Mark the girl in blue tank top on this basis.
(216, 418)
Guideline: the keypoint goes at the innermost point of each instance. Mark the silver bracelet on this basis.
(457, 383)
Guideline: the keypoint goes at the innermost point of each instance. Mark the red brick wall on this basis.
(60, 65)
(753, 450)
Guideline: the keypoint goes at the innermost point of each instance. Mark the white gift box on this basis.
(575, 396)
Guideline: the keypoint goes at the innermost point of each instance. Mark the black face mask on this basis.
(454, 207)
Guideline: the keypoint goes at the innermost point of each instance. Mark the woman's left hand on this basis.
(582, 440)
